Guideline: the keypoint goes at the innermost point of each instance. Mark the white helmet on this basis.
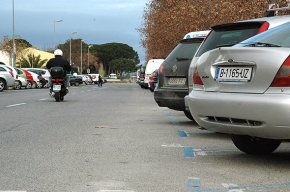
(58, 52)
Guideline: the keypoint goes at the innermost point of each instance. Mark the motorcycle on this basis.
(58, 83)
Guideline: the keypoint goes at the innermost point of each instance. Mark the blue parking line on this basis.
(188, 152)
(182, 133)
(175, 122)
(194, 185)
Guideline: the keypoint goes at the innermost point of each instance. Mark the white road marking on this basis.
(232, 187)
(172, 146)
(43, 99)
(13, 191)
(199, 152)
(115, 191)
(14, 105)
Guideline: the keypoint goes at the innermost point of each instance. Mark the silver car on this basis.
(245, 91)
(229, 34)
(6, 78)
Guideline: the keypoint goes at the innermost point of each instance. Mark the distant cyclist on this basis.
(100, 81)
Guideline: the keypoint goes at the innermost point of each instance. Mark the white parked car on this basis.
(43, 72)
(113, 76)
(151, 66)
(95, 78)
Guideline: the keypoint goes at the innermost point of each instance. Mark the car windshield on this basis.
(226, 37)
(275, 37)
(184, 51)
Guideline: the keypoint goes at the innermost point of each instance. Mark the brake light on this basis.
(264, 27)
(161, 69)
(57, 80)
(196, 78)
(282, 78)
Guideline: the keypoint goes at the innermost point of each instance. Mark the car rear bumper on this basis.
(171, 98)
(259, 115)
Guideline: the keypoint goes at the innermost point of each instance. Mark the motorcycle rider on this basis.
(59, 61)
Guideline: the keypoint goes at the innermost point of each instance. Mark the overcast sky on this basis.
(95, 21)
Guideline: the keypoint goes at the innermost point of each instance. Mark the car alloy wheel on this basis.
(29, 85)
(2, 85)
(17, 85)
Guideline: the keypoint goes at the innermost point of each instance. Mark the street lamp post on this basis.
(13, 38)
(54, 33)
(70, 46)
(88, 70)
(81, 56)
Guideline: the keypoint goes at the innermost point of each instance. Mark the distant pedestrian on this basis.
(100, 81)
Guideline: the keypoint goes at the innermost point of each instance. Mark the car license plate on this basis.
(233, 74)
(56, 87)
(176, 81)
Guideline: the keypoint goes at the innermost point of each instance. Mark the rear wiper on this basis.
(182, 59)
(261, 44)
(225, 45)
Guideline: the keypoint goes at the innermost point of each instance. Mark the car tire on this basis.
(188, 115)
(255, 145)
(18, 85)
(34, 85)
(2, 85)
(77, 84)
(29, 85)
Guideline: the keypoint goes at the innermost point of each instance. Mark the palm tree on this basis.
(31, 61)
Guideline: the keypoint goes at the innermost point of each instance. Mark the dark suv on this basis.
(173, 75)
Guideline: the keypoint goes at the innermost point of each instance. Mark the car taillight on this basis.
(264, 27)
(161, 69)
(11, 73)
(282, 78)
(196, 78)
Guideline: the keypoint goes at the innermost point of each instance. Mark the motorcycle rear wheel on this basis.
(57, 97)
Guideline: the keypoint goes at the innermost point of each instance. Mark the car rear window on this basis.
(2, 69)
(276, 36)
(228, 35)
(185, 50)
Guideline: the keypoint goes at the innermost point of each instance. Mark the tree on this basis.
(162, 31)
(88, 58)
(115, 51)
(31, 61)
(122, 65)
(21, 44)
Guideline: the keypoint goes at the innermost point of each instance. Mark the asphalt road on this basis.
(116, 139)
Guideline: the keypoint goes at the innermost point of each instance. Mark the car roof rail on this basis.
(271, 12)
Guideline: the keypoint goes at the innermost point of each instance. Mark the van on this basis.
(151, 66)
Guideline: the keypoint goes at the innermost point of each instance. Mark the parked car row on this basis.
(235, 80)
(18, 78)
